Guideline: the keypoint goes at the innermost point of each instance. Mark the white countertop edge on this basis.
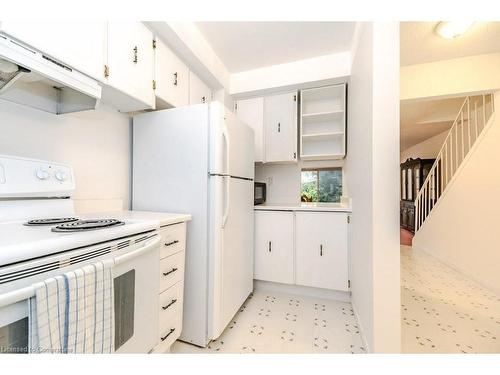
(163, 218)
(297, 207)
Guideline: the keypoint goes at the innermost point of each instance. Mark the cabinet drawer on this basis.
(170, 306)
(173, 239)
(168, 335)
(171, 270)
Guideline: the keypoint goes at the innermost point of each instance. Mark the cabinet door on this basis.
(321, 250)
(251, 112)
(274, 246)
(78, 44)
(198, 91)
(172, 77)
(131, 60)
(280, 122)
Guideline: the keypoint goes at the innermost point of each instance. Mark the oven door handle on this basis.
(18, 295)
(150, 244)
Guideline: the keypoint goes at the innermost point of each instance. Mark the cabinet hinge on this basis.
(348, 283)
(154, 43)
(348, 219)
(154, 84)
(235, 106)
(295, 155)
(295, 98)
(106, 71)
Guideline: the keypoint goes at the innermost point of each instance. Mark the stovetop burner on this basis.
(51, 221)
(86, 225)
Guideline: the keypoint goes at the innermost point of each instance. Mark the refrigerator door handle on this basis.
(225, 135)
(226, 204)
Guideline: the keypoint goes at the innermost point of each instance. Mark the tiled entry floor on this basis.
(270, 322)
(443, 311)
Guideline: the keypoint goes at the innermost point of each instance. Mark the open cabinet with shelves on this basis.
(322, 123)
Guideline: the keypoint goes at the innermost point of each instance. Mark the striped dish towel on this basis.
(74, 313)
(47, 316)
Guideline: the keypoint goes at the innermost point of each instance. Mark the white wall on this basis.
(283, 180)
(454, 77)
(328, 69)
(372, 175)
(96, 143)
(427, 149)
(462, 228)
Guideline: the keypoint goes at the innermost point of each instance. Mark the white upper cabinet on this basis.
(274, 246)
(321, 250)
(198, 91)
(130, 65)
(171, 76)
(251, 112)
(78, 44)
(323, 123)
(280, 123)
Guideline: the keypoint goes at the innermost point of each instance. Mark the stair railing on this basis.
(468, 125)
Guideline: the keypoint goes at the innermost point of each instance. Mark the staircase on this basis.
(469, 124)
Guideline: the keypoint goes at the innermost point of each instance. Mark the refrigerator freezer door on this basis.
(232, 144)
(231, 257)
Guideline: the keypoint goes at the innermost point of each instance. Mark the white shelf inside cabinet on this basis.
(322, 123)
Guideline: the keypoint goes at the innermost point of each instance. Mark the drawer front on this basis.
(170, 305)
(173, 239)
(168, 335)
(171, 270)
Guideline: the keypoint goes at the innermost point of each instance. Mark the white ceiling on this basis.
(420, 44)
(249, 45)
(424, 119)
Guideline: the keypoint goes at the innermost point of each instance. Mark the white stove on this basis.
(41, 236)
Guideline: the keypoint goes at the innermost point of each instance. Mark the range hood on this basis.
(31, 78)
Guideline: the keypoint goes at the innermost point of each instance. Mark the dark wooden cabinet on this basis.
(412, 175)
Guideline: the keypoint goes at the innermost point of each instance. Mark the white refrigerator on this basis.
(200, 160)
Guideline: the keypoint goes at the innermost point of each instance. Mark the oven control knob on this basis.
(61, 176)
(42, 174)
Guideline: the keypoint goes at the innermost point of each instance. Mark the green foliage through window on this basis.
(321, 185)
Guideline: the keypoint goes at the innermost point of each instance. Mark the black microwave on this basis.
(259, 193)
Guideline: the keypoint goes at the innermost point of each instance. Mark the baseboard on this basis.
(269, 286)
(361, 329)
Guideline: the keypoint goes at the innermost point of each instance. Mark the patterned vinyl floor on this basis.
(443, 311)
(280, 323)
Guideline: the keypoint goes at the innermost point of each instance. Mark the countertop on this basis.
(164, 218)
(327, 207)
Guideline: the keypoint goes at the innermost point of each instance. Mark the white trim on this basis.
(361, 329)
(299, 290)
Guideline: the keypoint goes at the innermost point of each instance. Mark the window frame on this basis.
(317, 170)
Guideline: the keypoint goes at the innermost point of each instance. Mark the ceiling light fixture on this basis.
(453, 29)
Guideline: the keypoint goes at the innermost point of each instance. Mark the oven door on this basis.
(136, 288)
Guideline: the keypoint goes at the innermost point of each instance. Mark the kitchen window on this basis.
(321, 185)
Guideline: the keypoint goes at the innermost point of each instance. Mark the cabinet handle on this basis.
(203, 99)
(270, 246)
(169, 272)
(279, 127)
(168, 334)
(321, 250)
(170, 304)
(135, 55)
(171, 243)
(175, 79)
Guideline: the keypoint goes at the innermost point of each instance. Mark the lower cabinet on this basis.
(170, 299)
(321, 250)
(302, 248)
(274, 246)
